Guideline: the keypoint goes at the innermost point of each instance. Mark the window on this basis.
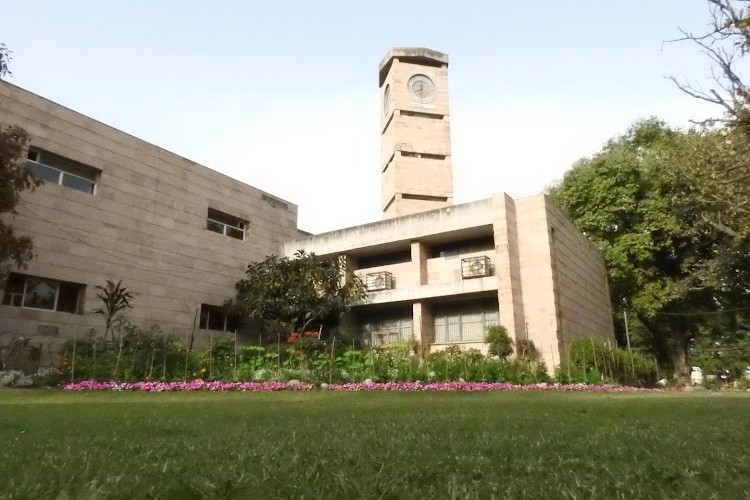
(386, 327)
(40, 293)
(222, 223)
(58, 170)
(214, 318)
(464, 323)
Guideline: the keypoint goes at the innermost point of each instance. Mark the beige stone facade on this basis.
(146, 222)
(451, 272)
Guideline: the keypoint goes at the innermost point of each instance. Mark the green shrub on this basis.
(526, 349)
(500, 343)
(591, 361)
(135, 354)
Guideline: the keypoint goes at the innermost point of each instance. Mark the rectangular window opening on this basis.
(464, 322)
(56, 169)
(225, 224)
(214, 318)
(386, 327)
(431, 116)
(423, 197)
(40, 293)
(426, 156)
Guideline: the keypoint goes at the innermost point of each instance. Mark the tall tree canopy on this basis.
(296, 292)
(673, 231)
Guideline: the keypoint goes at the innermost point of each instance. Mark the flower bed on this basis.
(478, 387)
(193, 385)
(220, 386)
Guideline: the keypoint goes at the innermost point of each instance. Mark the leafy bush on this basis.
(526, 349)
(591, 361)
(136, 354)
(500, 343)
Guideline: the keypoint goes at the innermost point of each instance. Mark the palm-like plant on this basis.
(115, 299)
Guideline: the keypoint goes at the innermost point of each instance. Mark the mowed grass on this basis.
(374, 445)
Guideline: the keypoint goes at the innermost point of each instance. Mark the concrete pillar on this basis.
(508, 267)
(422, 324)
(419, 255)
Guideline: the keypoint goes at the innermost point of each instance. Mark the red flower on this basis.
(292, 338)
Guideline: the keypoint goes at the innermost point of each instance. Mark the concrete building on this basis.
(442, 273)
(115, 207)
(180, 235)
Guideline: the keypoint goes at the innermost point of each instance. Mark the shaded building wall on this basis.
(563, 281)
(145, 224)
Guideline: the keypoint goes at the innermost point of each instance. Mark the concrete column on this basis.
(422, 324)
(507, 265)
(419, 254)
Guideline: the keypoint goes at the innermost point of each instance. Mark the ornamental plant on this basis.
(500, 343)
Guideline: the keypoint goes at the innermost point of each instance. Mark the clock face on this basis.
(386, 99)
(421, 88)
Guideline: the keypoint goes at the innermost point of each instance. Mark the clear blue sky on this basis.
(283, 95)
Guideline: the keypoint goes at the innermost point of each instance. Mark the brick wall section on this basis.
(146, 224)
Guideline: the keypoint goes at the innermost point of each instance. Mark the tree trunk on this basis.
(673, 343)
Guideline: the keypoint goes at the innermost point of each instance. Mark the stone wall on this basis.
(145, 223)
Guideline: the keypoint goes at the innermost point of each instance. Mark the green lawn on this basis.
(374, 445)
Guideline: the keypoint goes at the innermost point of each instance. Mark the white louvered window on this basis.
(466, 326)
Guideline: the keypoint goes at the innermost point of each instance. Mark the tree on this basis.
(4, 60)
(724, 186)
(670, 256)
(115, 299)
(15, 177)
(725, 42)
(297, 292)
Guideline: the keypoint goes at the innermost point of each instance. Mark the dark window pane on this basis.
(212, 318)
(67, 300)
(74, 182)
(46, 173)
(204, 317)
(223, 218)
(40, 294)
(13, 295)
(215, 227)
(235, 233)
(216, 320)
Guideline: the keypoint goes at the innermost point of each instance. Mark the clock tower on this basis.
(415, 140)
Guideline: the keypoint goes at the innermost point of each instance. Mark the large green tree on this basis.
(675, 247)
(296, 292)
